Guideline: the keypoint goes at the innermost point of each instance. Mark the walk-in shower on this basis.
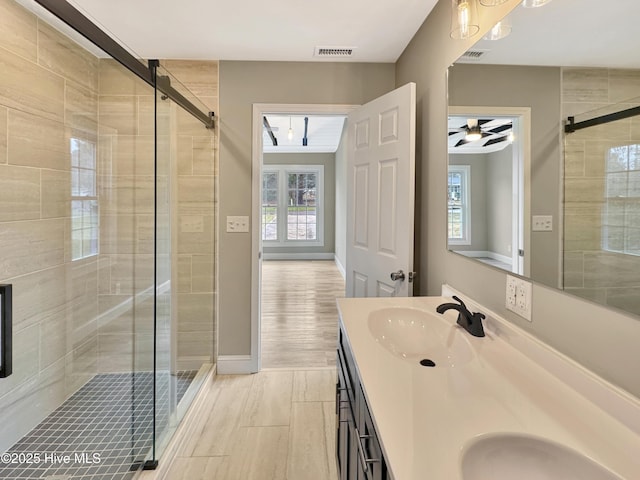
(107, 237)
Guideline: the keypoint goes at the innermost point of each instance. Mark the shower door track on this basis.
(76, 20)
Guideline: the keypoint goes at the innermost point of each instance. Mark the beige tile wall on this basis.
(48, 92)
(197, 168)
(589, 271)
(75, 319)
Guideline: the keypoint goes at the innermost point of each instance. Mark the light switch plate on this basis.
(237, 224)
(542, 223)
(518, 296)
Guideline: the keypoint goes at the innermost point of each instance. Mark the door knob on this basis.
(399, 275)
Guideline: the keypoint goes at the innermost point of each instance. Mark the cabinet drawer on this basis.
(350, 374)
(370, 445)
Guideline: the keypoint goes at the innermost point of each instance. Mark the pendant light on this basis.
(464, 19)
(534, 3)
(499, 30)
(290, 134)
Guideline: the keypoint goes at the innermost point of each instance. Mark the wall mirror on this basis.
(530, 191)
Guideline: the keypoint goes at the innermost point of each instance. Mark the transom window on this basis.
(458, 205)
(292, 204)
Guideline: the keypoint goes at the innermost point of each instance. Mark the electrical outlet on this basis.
(542, 223)
(511, 292)
(237, 224)
(518, 296)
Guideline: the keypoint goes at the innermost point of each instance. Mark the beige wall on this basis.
(602, 340)
(327, 160)
(590, 271)
(241, 85)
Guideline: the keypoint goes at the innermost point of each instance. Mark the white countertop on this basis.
(424, 416)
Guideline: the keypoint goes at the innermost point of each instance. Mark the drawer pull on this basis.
(364, 461)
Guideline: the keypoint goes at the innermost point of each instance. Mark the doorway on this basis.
(489, 185)
(297, 273)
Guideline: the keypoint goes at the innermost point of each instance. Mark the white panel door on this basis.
(380, 200)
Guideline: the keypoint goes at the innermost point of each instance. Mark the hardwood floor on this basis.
(274, 425)
(299, 314)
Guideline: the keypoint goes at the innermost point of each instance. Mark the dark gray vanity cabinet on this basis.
(358, 450)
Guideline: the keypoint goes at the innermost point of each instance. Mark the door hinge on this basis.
(521, 253)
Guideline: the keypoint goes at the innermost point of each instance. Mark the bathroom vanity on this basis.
(418, 397)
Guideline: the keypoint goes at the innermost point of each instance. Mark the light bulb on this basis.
(463, 18)
(290, 134)
(464, 21)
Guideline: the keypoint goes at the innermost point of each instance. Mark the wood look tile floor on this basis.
(274, 425)
(299, 315)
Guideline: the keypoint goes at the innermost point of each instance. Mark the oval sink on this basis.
(510, 456)
(415, 335)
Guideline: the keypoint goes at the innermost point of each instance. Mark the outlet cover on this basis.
(542, 223)
(237, 224)
(518, 296)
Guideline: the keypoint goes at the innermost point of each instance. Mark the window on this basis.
(84, 199)
(621, 214)
(270, 205)
(292, 204)
(458, 207)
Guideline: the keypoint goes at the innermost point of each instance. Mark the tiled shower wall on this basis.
(197, 211)
(73, 319)
(590, 270)
(48, 93)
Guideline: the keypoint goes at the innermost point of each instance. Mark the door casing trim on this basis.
(259, 110)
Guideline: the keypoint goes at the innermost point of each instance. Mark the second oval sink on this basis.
(415, 335)
(506, 456)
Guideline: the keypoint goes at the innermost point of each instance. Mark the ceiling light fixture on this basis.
(534, 3)
(499, 30)
(290, 134)
(492, 3)
(473, 130)
(464, 19)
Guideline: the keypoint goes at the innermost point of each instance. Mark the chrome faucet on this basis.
(471, 322)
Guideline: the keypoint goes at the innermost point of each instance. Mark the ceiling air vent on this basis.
(471, 55)
(334, 52)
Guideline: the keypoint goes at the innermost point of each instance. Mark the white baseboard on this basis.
(297, 256)
(341, 269)
(234, 364)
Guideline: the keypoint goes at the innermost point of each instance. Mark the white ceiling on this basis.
(285, 30)
(323, 133)
(584, 33)
(486, 143)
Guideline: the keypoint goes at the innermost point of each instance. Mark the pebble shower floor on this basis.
(102, 432)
